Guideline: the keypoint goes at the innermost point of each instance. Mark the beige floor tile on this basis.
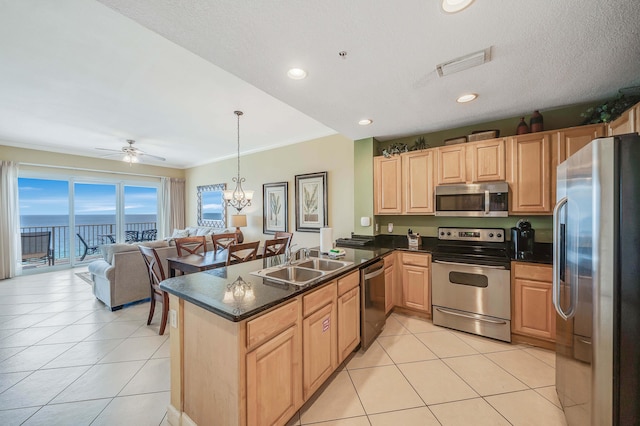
(527, 408)
(9, 352)
(154, 376)
(132, 349)
(393, 327)
(445, 344)
(9, 379)
(435, 382)
(135, 410)
(17, 416)
(116, 330)
(29, 336)
(164, 351)
(352, 421)
(484, 376)
(405, 348)
(33, 357)
(485, 345)
(39, 387)
(544, 355)
(549, 392)
(374, 356)
(100, 381)
(73, 413)
(335, 401)
(468, 412)
(72, 333)
(85, 353)
(412, 417)
(417, 325)
(384, 389)
(102, 316)
(525, 367)
(63, 318)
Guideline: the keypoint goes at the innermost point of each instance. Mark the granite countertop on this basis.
(207, 289)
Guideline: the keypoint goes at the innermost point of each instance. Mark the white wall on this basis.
(333, 154)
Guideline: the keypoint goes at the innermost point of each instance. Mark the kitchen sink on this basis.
(323, 264)
(302, 272)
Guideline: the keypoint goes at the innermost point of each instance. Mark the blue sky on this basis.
(51, 197)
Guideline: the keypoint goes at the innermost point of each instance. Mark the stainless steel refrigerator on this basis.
(596, 288)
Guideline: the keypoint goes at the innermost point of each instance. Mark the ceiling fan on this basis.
(131, 153)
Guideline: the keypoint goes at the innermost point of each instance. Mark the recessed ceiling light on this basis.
(297, 73)
(365, 122)
(454, 6)
(468, 97)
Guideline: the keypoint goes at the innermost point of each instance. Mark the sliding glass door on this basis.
(95, 212)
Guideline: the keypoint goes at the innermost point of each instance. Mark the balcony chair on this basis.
(242, 252)
(37, 246)
(130, 236)
(149, 235)
(275, 246)
(156, 275)
(88, 249)
(223, 241)
(185, 245)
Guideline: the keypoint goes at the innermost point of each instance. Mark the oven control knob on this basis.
(448, 234)
(491, 235)
(499, 235)
(442, 233)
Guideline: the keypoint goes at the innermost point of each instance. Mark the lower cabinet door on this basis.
(319, 348)
(415, 288)
(348, 323)
(273, 379)
(534, 314)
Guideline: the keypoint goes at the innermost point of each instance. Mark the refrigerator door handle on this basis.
(556, 262)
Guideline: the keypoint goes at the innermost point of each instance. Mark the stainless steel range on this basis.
(471, 282)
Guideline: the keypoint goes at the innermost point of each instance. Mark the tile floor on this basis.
(67, 360)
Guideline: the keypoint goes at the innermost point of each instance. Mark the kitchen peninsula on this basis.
(247, 351)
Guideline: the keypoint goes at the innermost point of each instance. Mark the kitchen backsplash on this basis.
(427, 226)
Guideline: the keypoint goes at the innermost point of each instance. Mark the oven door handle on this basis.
(487, 202)
(444, 262)
(458, 314)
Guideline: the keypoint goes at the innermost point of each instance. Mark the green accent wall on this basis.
(363, 153)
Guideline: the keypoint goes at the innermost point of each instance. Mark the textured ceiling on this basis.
(172, 74)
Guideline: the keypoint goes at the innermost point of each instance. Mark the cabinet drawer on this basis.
(533, 272)
(319, 298)
(348, 282)
(416, 259)
(268, 325)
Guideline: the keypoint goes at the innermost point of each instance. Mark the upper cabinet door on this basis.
(626, 123)
(529, 174)
(387, 189)
(452, 164)
(487, 161)
(418, 181)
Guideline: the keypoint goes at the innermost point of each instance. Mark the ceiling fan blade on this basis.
(112, 150)
(117, 154)
(152, 156)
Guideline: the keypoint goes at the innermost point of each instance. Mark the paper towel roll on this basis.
(326, 240)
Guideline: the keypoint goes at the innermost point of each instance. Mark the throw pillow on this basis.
(180, 233)
(203, 232)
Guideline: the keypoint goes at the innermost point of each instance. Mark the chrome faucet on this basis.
(291, 256)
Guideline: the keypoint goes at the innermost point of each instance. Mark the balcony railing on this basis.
(94, 235)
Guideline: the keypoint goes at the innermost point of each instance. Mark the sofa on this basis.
(121, 277)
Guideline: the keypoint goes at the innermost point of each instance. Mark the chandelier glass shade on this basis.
(238, 198)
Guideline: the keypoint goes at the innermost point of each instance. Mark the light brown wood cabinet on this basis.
(387, 185)
(348, 315)
(529, 173)
(628, 122)
(319, 338)
(389, 282)
(416, 281)
(452, 164)
(273, 361)
(533, 311)
(487, 160)
(567, 142)
(418, 172)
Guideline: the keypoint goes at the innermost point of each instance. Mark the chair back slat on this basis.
(154, 269)
(149, 235)
(223, 241)
(275, 246)
(191, 245)
(242, 252)
(282, 234)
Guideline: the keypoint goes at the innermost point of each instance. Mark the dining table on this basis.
(191, 263)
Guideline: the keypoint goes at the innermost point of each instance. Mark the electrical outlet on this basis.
(173, 318)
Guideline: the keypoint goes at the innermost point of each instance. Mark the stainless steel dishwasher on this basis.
(372, 302)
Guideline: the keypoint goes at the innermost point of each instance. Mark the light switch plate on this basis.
(173, 318)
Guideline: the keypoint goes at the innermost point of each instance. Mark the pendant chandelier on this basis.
(238, 198)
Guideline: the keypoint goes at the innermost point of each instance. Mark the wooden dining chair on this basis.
(275, 246)
(282, 234)
(242, 252)
(223, 241)
(191, 245)
(156, 274)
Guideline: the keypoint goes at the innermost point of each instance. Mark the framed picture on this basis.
(311, 202)
(275, 207)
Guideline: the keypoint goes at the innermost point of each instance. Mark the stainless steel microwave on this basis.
(473, 200)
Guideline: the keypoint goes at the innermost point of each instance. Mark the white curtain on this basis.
(173, 204)
(9, 220)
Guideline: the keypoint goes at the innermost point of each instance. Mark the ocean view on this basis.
(86, 219)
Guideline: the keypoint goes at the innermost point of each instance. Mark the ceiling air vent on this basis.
(464, 62)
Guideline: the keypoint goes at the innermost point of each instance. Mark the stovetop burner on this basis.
(474, 246)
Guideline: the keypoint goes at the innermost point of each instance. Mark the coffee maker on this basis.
(522, 239)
